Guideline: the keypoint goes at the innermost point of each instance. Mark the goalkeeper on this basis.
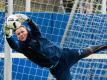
(43, 52)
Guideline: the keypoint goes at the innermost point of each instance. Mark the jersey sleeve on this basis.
(34, 28)
(13, 44)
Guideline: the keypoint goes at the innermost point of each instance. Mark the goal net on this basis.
(67, 23)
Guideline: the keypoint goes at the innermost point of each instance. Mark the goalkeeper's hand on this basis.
(7, 30)
(22, 17)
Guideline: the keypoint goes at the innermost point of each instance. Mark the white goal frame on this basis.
(7, 50)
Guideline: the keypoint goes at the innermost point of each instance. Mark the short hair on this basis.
(20, 27)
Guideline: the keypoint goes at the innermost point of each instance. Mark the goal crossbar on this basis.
(93, 56)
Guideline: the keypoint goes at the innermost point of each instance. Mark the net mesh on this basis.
(87, 28)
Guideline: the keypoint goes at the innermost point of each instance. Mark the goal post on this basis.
(69, 22)
(104, 4)
(7, 50)
(28, 6)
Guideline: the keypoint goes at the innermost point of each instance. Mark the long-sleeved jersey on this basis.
(36, 48)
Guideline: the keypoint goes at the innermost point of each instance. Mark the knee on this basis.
(89, 50)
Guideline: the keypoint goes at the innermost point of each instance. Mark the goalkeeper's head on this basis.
(14, 22)
(22, 33)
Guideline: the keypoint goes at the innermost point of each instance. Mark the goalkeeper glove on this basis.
(7, 31)
(22, 18)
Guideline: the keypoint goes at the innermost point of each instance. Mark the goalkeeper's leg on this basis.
(73, 55)
(92, 49)
(69, 58)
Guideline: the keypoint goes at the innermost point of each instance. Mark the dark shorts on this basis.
(69, 57)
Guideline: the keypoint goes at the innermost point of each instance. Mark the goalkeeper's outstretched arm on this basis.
(12, 43)
(34, 28)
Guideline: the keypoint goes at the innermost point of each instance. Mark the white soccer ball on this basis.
(12, 22)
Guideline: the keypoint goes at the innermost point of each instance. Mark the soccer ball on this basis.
(12, 22)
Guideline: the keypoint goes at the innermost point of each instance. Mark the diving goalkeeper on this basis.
(43, 52)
